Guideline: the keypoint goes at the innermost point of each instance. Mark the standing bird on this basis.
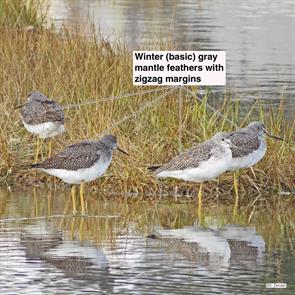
(81, 162)
(199, 163)
(43, 117)
(248, 148)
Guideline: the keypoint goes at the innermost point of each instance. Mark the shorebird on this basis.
(248, 148)
(81, 162)
(43, 117)
(74, 256)
(196, 243)
(214, 245)
(203, 162)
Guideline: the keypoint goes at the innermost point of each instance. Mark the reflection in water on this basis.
(109, 251)
(75, 259)
(215, 247)
(201, 240)
(245, 244)
(39, 238)
(257, 35)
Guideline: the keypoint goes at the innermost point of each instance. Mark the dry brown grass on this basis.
(23, 13)
(73, 68)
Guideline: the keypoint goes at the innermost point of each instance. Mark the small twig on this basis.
(111, 98)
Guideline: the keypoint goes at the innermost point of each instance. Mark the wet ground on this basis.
(134, 246)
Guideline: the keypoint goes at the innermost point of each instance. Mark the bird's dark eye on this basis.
(222, 139)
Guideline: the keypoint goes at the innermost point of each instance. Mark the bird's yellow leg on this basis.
(82, 198)
(49, 148)
(73, 193)
(81, 229)
(72, 231)
(236, 188)
(200, 193)
(37, 150)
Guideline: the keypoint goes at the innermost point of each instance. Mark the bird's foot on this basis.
(84, 213)
(74, 212)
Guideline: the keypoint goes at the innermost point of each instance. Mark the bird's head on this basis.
(36, 96)
(259, 128)
(111, 142)
(222, 138)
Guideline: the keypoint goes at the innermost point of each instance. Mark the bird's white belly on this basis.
(249, 160)
(205, 171)
(45, 130)
(80, 175)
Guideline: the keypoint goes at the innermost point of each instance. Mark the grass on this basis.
(23, 13)
(73, 68)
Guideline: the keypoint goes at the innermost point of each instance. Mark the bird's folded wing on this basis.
(188, 159)
(72, 158)
(40, 112)
(52, 112)
(244, 143)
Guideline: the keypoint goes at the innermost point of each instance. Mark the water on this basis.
(257, 35)
(45, 250)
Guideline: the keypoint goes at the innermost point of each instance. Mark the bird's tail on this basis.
(154, 168)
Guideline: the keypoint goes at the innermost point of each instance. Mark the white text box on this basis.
(179, 68)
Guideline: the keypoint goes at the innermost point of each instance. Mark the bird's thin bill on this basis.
(122, 151)
(275, 137)
(19, 106)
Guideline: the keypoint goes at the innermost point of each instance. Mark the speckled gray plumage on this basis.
(40, 109)
(80, 155)
(188, 159)
(246, 140)
(246, 143)
(192, 157)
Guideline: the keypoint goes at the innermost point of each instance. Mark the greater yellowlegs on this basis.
(196, 242)
(43, 117)
(81, 162)
(220, 244)
(200, 163)
(248, 148)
